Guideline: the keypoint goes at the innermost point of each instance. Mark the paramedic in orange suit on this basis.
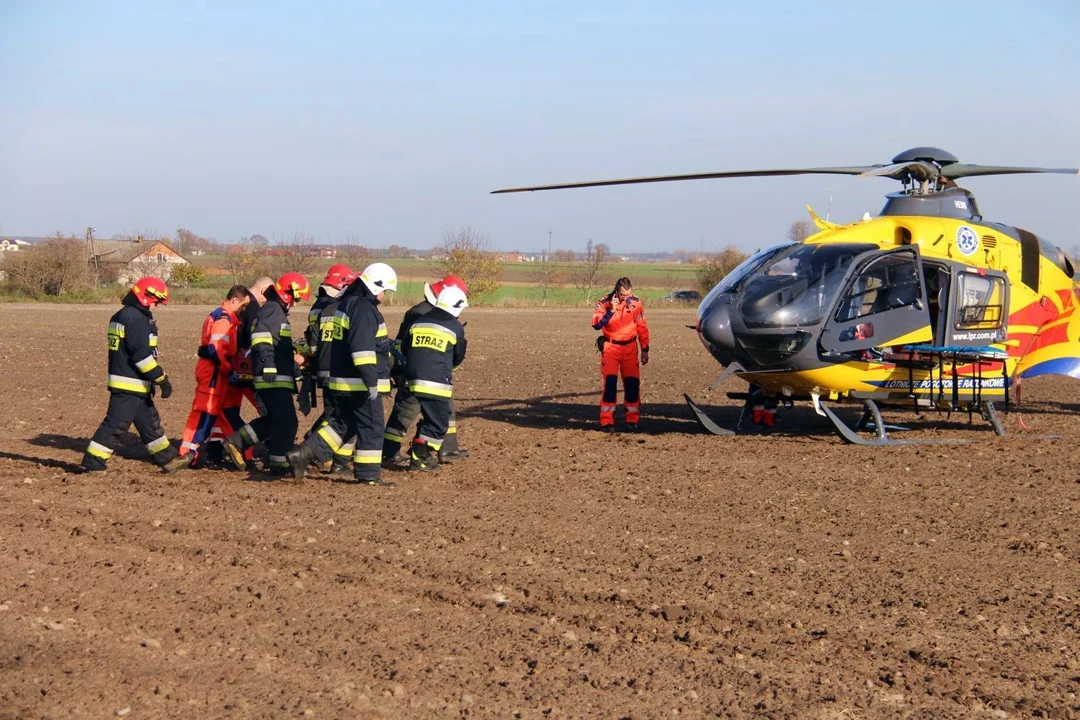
(620, 316)
(217, 350)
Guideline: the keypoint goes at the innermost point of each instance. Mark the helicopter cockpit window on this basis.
(981, 303)
(888, 283)
(741, 272)
(797, 287)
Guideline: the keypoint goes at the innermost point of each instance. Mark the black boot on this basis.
(341, 465)
(299, 459)
(448, 456)
(423, 459)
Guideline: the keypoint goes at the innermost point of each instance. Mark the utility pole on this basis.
(548, 258)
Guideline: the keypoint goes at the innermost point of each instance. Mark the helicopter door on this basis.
(978, 308)
(883, 304)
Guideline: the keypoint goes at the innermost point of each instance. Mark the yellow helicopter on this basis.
(926, 306)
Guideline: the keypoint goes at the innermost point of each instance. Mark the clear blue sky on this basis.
(389, 122)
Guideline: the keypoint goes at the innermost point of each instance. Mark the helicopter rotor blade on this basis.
(916, 169)
(961, 170)
(697, 176)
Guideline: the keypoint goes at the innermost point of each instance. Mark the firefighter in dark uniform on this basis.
(434, 347)
(320, 335)
(274, 371)
(359, 375)
(134, 375)
(406, 406)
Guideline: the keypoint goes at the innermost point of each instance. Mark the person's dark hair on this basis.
(623, 282)
(237, 291)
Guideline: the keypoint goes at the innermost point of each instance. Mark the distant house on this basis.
(133, 259)
(12, 244)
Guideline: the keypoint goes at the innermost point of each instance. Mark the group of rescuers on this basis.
(247, 350)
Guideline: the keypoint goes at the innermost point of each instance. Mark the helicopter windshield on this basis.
(798, 287)
(741, 272)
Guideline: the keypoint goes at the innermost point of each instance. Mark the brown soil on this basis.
(557, 572)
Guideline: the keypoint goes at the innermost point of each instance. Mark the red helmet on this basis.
(293, 287)
(338, 276)
(150, 291)
(437, 288)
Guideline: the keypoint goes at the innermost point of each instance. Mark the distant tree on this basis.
(354, 255)
(243, 263)
(187, 276)
(259, 241)
(466, 252)
(55, 267)
(800, 230)
(188, 242)
(547, 275)
(296, 255)
(398, 251)
(590, 272)
(563, 256)
(712, 268)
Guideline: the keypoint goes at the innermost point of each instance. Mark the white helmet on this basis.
(379, 277)
(452, 299)
(429, 294)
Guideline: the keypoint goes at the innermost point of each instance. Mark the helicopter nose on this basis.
(714, 329)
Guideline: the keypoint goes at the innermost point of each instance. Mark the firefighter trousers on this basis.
(406, 411)
(277, 428)
(347, 448)
(616, 360)
(355, 414)
(125, 409)
(434, 423)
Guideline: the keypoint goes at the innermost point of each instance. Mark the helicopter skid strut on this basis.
(872, 417)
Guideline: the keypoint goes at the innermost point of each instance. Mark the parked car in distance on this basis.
(682, 296)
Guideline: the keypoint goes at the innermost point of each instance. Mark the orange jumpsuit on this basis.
(624, 328)
(213, 392)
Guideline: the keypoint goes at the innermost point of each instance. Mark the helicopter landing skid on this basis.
(872, 418)
(707, 422)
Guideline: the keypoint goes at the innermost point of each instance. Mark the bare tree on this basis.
(466, 252)
(55, 267)
(800, 230)
(243, 263)
(297, 255)
(356, 255)
(547, 275)
(713, 268)
(589, 273)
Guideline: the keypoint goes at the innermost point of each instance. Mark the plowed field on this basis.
(557, 572)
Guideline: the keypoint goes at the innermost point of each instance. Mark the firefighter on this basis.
(320, 334)
(358, 368)
(274, 369)
(620, 316)
(217, 351)
(434, 347)
(406, 405)
(134, 376)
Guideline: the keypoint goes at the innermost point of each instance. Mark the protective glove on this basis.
(644, 357)
(234, 379)
(303, 400)
(204, 352)
(600, 341)
(166, 387)
(373, 393)
(269, 378)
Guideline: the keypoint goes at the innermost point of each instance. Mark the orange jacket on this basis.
(217, 348)
(622, 323)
